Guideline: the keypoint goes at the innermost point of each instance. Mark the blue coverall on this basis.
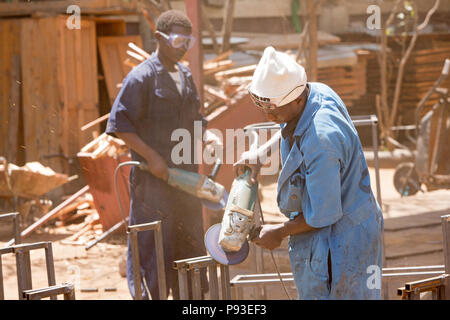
(324, 175)
(150, 105)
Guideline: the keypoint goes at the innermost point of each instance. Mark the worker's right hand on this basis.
(241, 167)
(158, 167)
(248, 159)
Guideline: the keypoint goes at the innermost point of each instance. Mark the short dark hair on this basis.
(171, 18)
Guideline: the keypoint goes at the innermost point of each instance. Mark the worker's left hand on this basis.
(211, 141)
(269, 237)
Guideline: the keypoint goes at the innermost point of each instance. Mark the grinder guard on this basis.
(230, 246)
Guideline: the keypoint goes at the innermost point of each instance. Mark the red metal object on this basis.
(99, 175)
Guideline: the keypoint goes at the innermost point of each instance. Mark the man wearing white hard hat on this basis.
(335, 224)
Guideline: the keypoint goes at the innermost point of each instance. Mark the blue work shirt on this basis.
(325, 176)
(150, 105)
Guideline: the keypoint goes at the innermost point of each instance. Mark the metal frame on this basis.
(132, 232)
(189, 270)
(437, 285)
(65, 289)
(15, 217)
(251, 280)
(23, 266)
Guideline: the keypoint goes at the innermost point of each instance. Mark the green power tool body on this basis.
(213, 194)
(227, 242)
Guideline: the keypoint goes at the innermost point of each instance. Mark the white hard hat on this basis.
(278, 79)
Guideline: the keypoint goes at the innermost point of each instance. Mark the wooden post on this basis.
(208, 25)
(446, 247)
(195, 55)
(227, 25)
(313, 40)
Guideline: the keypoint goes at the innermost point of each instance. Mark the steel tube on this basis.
(36, 294)
(213, 282)
(133, 238)
(136, 267)
(160, 261)
(196, 284)
(225, 282)
(2, 292)
(50, 268)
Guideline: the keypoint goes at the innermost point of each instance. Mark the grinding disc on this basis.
(216, 251)
(216, 206)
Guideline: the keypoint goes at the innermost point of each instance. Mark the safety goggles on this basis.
(178, 40)
(269, 103)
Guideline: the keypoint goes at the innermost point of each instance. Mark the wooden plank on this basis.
(113, 54)
(10, 89)
(105, 7)
(78, 71)
(41, 99)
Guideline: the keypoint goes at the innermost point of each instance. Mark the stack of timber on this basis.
(423, 69)
(349, 81)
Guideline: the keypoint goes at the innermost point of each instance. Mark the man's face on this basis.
(173, 54)
(285, 113)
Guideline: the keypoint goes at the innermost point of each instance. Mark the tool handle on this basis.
(446, 68)
(215, 170)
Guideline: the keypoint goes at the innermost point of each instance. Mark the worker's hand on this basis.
(158, 166)
(248, 159)
(269, 237)
(211, 141)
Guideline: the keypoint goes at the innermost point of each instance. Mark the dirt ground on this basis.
(98, 268)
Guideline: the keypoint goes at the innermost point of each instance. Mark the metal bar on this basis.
(196, 285)
(213, 282)
(160, 260)
(441, 292)
(36, 294)
(377, 166)
(240, 293)
(435, 294)
(17, 236)
(27, 269)
(414, 268)
(407, 274)
(2, 292)
(133, 236)
(250, 283)
(201, 263)
(426, 284)
(106, 234)
(225, 282)
(437, 141)
(145, 226)
(50, 267)
(183, 283)
(260, 292)
(136, 267)
(183, 266)
(70, 295)
(27, 246)
(21, 267)
(7, 216)
(446, 247)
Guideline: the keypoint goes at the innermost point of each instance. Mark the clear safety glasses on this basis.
(267, 103)
(178, 40)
